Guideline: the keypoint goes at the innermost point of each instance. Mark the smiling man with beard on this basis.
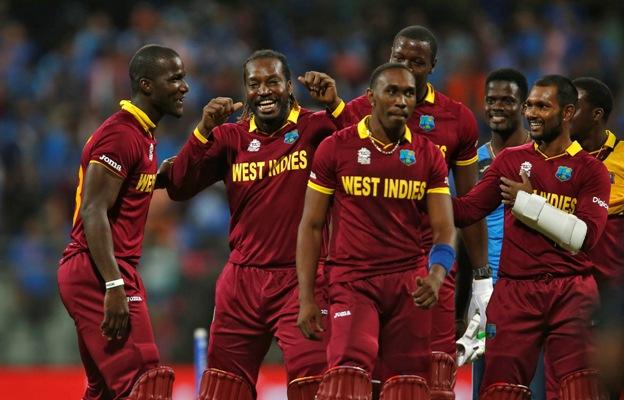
(264, 160)
(505, 92)
(545, 291)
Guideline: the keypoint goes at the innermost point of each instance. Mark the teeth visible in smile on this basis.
(535, 124)
(266, 105)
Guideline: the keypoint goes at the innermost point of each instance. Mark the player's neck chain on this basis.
(381, 150)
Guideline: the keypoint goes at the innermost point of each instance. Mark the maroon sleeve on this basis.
(352, 113)
(482, 199)
(116, 149)
(468, 136)
(323, 173)
(198, 165)
(593, 206)
(321, 124)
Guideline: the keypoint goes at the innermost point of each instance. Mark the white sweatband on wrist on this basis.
(565, 229)
(115, 283)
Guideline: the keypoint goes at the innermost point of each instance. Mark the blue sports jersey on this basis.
(495, 220)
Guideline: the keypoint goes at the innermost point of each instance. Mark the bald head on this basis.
(148, 62)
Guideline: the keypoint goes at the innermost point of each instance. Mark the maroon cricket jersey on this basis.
(449, 124)
(379, 200)
(265, 177)
(608, 253)
(125, 145)
(573, 181)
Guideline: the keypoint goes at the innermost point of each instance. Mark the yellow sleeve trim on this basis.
(440, 190)
(461, 163)
(336, 113)
(320, 188)
(199, 136)
(108, 168)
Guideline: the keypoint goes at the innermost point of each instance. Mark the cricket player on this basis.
(382, 181)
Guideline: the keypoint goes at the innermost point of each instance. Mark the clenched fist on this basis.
(216, 112)
(322, 88)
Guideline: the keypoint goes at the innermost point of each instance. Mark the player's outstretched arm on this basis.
(322, 88)
(308, 247)
(442, 254)
(475, 240)
(101, 189)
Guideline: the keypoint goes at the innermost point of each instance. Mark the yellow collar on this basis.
(430, 97)
(140, 116)
(293, 116)
(363, 130)
(611, 139)
(572, 150)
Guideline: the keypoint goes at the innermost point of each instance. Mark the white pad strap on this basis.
(565, 229)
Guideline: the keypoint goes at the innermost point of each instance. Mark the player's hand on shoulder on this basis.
(427, 288)
(322, 88)
(116, 313)
(162, 176)
(216, 112)
(309, 320)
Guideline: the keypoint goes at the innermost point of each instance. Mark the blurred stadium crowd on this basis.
(63, 69)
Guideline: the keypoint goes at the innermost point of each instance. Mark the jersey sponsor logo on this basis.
(114, 164)
(150, 153)
(341, 314)
(254, 146)
(256, 170)
(291, 137)
(134, 299)
(600, 202)
(426, 123)
(392, 188)
(407, 156)
(146, 183)
(526, 167)
(363, 156)
(312, 175)
(563, 173)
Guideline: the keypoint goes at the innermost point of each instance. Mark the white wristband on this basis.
(115, 283)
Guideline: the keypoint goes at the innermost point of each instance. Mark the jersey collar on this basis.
(363, 131)
(293, 116)
(573, 149)
(139, 115)
(430, 97)
(611, 140)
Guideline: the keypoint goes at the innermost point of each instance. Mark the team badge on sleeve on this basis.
(254, 145)
(563, 173)
(150, 154)
(364, 155)
(407, 156)
(291, 137)
(427, 122)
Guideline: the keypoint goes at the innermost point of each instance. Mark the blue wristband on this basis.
(442, 254)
